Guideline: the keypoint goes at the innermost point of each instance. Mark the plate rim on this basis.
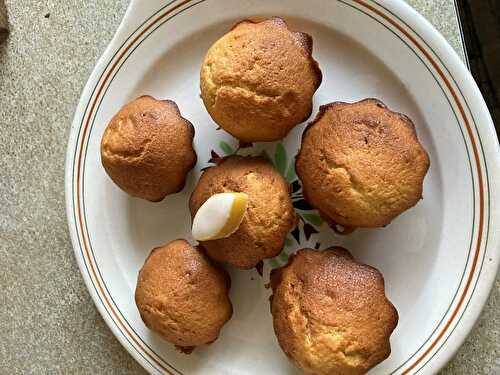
(401, 10)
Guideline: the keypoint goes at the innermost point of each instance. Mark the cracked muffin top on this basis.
(361, 164)
(267, 220)
(330, 313)
(257, 81)
(182, 296)
(147, 148)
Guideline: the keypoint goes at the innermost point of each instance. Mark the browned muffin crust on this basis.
(361, 164)
(257, 81)
(330, 313)
(269, 215)
(147, 148)
(182, 296)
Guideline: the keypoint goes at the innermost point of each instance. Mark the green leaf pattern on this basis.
(313, 219)
(280, 161)
(290, 174)
(228, 150)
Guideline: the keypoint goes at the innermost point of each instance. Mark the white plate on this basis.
(439, 259)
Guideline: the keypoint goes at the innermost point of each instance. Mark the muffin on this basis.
(258, 80)
(269, 215)
(182, 296)
(330, 313)
(147, 148)
(361, 164)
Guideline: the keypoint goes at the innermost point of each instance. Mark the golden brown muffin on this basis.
(147, 148)
(330, 313)
(257, 81)
(361, 164)
(182, 296)
(269, 215)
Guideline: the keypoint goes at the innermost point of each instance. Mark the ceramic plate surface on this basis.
(439, 259)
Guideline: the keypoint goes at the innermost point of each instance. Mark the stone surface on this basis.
(48, 322)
